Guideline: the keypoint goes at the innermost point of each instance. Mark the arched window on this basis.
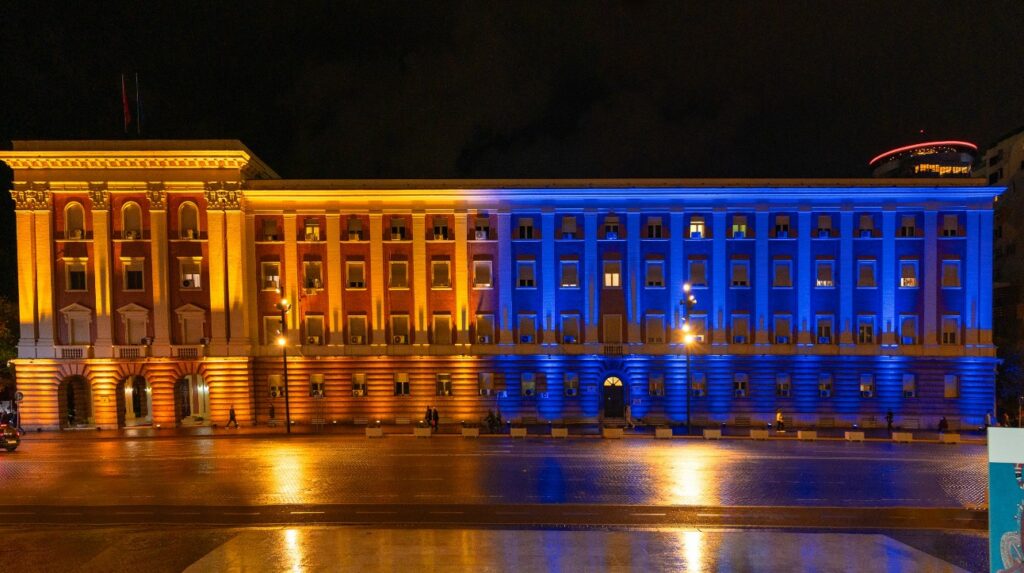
(131, 221)
(188, 221)
(74, 221)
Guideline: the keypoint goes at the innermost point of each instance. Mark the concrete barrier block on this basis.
(422, 432)
(470, 432)
(611, 433)
(759, 434)
(949, 438)
(712, 434)
(809, 435)
(559, 432)
(374, 432)
(854, 436)
(662, 433)
(904, 437)
(517, 432)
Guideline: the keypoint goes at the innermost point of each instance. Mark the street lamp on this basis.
(688, 303)
(284, 306)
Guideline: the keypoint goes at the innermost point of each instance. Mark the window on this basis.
(528, 384)
(354, 227)
(399, 329)
(481, 273)
(270, 229)
(359, 384)
(782, 273)
(611, 227)
(571, 383)
(698, 326)
(314, 329)
(443, 384)
(825, 273)
(397, 229)
(74, 222)
(135, 329)
(654, 230)
(525, 228)
(739, 226)
(865, 329)
(824, 329)
(950, 225)
(482, 229)
(485, 329)
(824, 226)
(275, 386)
(188, 221)
(398, 274)
(570, 329)
(908, 273)
(908, 329)
(569, 227)
(76, 269)
(655, 329)
(950, 274)
(612, 328)
(655, 385)
(191, 274)
(909, 386)
(908, 226)
(192, 327)
(527, 328)
(824, 385)
(439, 275)
(951, 386)
(782, 227)
(697, 227)
(442, 328)
(401, 383)
(655, 274)
(524, 274)
(134, 272)
(866, 226)
(867, 386)
(357, 329)
(698, 385)
(271, 329)
(740, 273)
(866, 273)
(440, 229)
(570, 273)
(740, 385)
(270, 275)
(740, 328)
(312, 278)
(485, 383)
(698, 272)
(783, 329)
(950, 329)
(311, 229)
(612, 274)
(131, 221)
(316, 386)
(783, 386)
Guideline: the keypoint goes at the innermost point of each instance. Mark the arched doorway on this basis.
(134, 402)
(74, 402)
(192, 400)
(613, 397)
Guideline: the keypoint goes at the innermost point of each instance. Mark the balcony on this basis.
(132, 351)
(187, 351)
(73, 352)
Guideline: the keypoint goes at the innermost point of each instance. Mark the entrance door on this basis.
(74, 402)
(614, 398)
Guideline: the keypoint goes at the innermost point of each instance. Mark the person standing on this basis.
(436, 419)
(231, 418)
(943, 425)
(428, 417)
(629, 417)
(888, 421)
(988, 419)
(780, 424)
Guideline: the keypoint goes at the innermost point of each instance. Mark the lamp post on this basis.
(284, 306)
(688, 339)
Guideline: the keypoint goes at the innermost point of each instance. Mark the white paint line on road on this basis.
(305, 512)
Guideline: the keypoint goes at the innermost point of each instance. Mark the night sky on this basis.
(521, 89)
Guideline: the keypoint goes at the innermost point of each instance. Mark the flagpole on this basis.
(124, 105)
(138, 107)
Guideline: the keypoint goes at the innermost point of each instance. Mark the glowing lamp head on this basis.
(686, 327)
(283, 305)
(281, 340)
(686, 287)
(688, 339)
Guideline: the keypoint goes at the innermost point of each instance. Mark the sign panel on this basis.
(1005, 499)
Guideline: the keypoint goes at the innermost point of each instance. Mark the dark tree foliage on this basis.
(8, 335)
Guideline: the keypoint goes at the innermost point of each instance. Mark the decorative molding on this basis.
(223, 195)
(157, 194)
(99, 195)
(32, 196)
(125, 160)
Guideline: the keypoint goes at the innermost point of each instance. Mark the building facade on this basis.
(151, 272)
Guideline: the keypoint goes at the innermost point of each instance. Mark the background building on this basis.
(150, 274)
(928, 160)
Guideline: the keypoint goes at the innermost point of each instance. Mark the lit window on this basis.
(398, 274)
(908, 329)
(825, 273)
(439, 275)
(866, 273)
(865, 329)
(782, 271)
(570, 329)
(570, 274)
(191, 274)
(131, 221)
(188, 221)
(697, 227)
(311, 229)
(698, 272)
(950, 329)
(359, 384)
(909, 386)
(525, 276)
(271, 329)
(740, 273)
(74, 222)
(950, 274)
(443, 384)
(739, 226)
(134, 273)
(76, 275)
(312, 277)
(275, 386)
(655, 274)
(270, 273)
(612, 274)
(783, 329)
(951, 386)
(867, 386)
(482, 273)
(525, 228)
(908, 273)
(401, 383)
(316, 386)
(698, 326)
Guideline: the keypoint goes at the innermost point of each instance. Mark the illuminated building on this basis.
(150, 274)
(929, 160)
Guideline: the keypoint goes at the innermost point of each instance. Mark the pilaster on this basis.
(634, 278)
(847, 277)
(237, 271)
(930, 282)
(889, 277)
(101, 245)
(292, 284)
(804, 277)
(419, 278)
(27, 282)
(590, 281)
(159, 281)
(548, 278)
(218, 282)
(504, 276)
(762, 278)
(378, 321)
(972, 270)
(461, 286)
(677, 275)
(719, 278)
(985, 221)
(335, 313)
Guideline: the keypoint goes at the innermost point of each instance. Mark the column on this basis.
(461, 276)
(984, 255)
(972, 270)
(762, 278)
(677, 275)
(505, 277)
(719, 278)
(804, 278)
(889, 277)
(377, 319)
(159, 279)
(634, 273)
(590, 272)
(237, 271)
(930, 282)
(847, 277)
(218, 282)
(102, 347)
(292, 280)
(548, 277)
(336, 276)
(419, 277)
(27, 284)
(252, 280)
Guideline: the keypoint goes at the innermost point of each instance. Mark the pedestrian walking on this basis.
(1006, 419)
(780, 424)
(231, 418)
(943, 425)
(428, 417)
(629, 417)
(888, 421)
(272, 416)
(436, 419)
(988, 419)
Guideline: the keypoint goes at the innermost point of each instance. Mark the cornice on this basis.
(129, 160)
